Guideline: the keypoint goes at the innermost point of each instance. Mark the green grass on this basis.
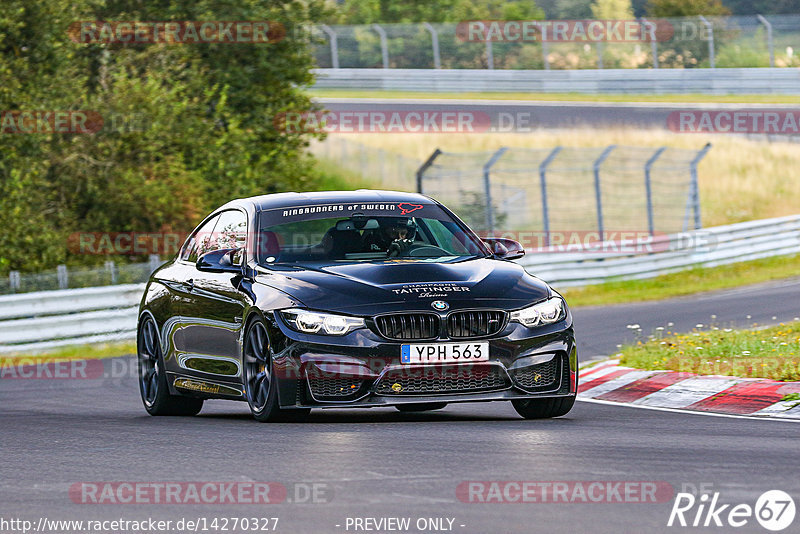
(562, 97)
(686, 282)
(331, 177)
(764, 353)
(77, 352)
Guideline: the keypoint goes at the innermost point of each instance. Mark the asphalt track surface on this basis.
(525, 116)
(380, 463)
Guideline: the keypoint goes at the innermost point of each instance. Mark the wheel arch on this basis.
(287, 385)
(147, 313)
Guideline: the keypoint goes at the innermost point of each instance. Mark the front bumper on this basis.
(362, 369)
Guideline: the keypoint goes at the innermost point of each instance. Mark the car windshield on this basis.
(363, 233)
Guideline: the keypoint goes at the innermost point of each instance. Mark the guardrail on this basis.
(676, 252)
(37, 321)
(46, 319)
(636, 81)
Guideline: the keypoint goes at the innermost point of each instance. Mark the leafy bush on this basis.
(197, 122)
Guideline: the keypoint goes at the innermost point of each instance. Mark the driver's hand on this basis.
(398, 247)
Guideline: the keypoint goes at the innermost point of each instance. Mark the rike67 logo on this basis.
(774, 510)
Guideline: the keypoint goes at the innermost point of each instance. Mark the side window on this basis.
(231, 230)
(199, 242)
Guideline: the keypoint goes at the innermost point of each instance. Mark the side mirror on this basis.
(504, 249)
(225, 260)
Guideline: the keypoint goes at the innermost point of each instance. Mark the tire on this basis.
(421, 407)
(153, 385)
(260, 386)
(543, 408)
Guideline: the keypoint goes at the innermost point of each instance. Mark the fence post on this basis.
(437, 60)
(710, 29)
(112, 271)
(545, 52)
(770, 44)
(695, 188)
(651, 30)
(424, 167)
(14, 281)
(384, 46)
(597, 192)
(648, 188)
(543, 187)
(489, 54)
(334, 44)
(62, 276)
(487, 188)
(155, 262)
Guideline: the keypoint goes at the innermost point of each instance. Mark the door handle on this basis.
(189, 284)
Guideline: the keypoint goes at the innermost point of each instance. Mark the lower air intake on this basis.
(446, 379)
(326, 386)
(539, 376)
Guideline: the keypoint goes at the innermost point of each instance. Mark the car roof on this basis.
(292, 199)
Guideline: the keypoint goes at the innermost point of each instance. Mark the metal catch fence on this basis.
(685, 42)
(78, 277)
(567, 189)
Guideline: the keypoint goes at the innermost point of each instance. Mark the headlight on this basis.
(311, 322)
(550, 311)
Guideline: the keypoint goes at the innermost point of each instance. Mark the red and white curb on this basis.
(611, 382)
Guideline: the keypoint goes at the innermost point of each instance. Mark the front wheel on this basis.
(153, 379)
(543, 408)
(260, 385)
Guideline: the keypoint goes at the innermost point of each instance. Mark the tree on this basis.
(574, 9)
(203, 115)
(411, 11)
(612, 9)
(686, 8)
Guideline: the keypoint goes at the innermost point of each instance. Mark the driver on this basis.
(401, 233)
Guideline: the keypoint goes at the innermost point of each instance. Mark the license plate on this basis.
(444, 353)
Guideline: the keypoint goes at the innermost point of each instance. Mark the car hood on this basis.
(369, 288)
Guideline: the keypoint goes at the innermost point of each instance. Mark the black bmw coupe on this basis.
(296, 301)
